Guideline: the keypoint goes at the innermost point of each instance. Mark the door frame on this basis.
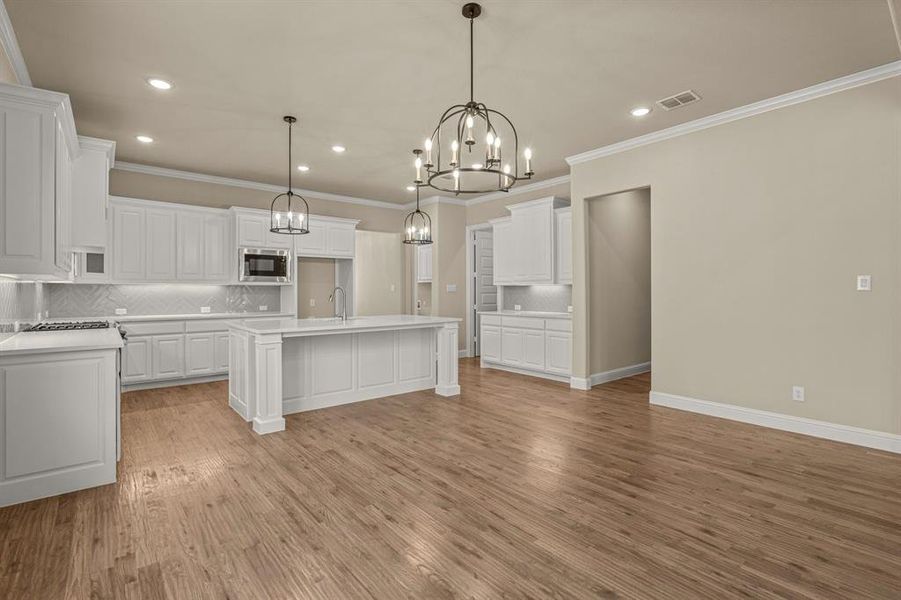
(470, 274)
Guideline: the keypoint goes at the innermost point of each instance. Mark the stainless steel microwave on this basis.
(264, 266)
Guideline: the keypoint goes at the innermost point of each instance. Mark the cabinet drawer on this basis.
(204, 325)
(522, 322)
(154, 327)
(558, 325)
(491, 320)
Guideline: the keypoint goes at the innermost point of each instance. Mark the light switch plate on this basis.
(798, 393)
(204, 309)
(263, 308)
(452, 287)
(864, 283)
(312, 301)
(121, 311)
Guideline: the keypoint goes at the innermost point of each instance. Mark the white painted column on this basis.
(448, 384)
(267, 384)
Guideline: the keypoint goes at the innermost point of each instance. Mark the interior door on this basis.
(484, 290)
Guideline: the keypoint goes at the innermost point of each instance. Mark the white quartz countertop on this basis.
(336, 325)
(528, 313)
(33, 342)
(181, 317)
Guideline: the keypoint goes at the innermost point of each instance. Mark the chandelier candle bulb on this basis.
(489, 139)
(428, 152)
(455, 148)
(528, 156)
(418, 164)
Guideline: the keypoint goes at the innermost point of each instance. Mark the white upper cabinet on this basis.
(329, 237)
(217, 252)
(190, 245)
(129, 243)
(161, 249)
(252, 227)
(37, 146)
(525, 249)
(563, 218)
(90, 194)
(424, 263)
(313, 243)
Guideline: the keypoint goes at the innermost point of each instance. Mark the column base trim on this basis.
(268, 426)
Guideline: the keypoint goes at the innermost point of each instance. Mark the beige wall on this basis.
(485, 211)
(316, 280)
(449, 263)
(378, 267)
(170, 189)
(7, 74)
(619, 273)
(759, 228)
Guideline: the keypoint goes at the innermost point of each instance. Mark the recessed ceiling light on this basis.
(303, 168)
(160, 84)
(338, 149)
(144, 139)
(640, 111)
(411, 188)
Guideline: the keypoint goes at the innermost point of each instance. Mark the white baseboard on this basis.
(150, 385)
(857, 436)
(586, 383)
(464, 353)
(542, 374)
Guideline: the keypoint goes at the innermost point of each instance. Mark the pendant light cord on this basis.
(471, 62)
(290, 125)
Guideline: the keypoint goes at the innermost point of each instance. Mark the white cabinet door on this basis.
(564, 245)
(490, 343)
(281, 241)
(161, 245)
(168, 356)
(313, 243)
(511, 346)
(129, 243)
(190, 245)
(220, 352)
(199, 354)
(215, 248)
(136, 361)
(340, 239)
(63, 218)
(533, 349)
(253, 231)
(424, 263)
(558, 349)
(504, 252)
(90, 194)
(533, 236)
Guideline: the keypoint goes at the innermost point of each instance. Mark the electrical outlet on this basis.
(263, 308)
(864, 283)
(312, 302)
(517, 307)
(393, 287)
(204, 309)
(451, 287)
(121, 311)
(798, 393)
(569, 309)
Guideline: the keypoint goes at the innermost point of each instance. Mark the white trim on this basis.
(469, 326)
(11, 45)
(250, 185)
(620, 373)
(889, 442)
(813, 92)
(541, 374)
(579, 383)
(435, 200)
(530, 187)
(106, 146)
(464, 353)
(150, 385)
(896, 20)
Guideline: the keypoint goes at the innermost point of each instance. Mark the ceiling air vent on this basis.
(680, 99)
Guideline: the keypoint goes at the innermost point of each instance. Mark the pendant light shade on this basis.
(474, 149)
(418, 226)
(289, 213)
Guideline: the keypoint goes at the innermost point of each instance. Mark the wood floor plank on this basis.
(519, 488)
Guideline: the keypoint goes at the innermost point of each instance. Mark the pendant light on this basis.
(476, 138)
(418, 226)
(289, 213)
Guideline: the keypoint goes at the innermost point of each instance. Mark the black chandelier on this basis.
(418, 226)
(289, 213)
(459, 127)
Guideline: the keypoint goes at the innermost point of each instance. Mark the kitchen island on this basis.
(282, 366)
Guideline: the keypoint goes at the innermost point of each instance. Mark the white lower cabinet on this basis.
(539, 346)
(200, 352)
(220, 352)
(168, 356)
(136, 364)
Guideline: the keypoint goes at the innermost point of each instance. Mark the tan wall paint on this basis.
(619, 272)
(485, 211)
(7, 74)
(170, 189)
(378, 265)
(759, 228)
(315, 279)
(449, 264)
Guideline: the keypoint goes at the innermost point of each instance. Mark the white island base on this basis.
(283, 366)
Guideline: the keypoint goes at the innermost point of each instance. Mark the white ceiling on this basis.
(375, 76)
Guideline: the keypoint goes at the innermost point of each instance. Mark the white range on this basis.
(282, 366)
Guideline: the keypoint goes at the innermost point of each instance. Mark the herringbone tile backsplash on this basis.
(545, 298)
(85, 300)
(20, 302)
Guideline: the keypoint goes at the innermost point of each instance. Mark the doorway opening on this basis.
(481, 293)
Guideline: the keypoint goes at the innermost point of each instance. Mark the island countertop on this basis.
(333, 325)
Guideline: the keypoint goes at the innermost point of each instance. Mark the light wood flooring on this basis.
(521, 488)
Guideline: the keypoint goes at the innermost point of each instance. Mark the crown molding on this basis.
(11, 45)
(813, 92)
(249, 185)
(894, 11)
(529, 187)
(108, 147)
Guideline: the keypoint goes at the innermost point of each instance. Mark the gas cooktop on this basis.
(69, 325)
